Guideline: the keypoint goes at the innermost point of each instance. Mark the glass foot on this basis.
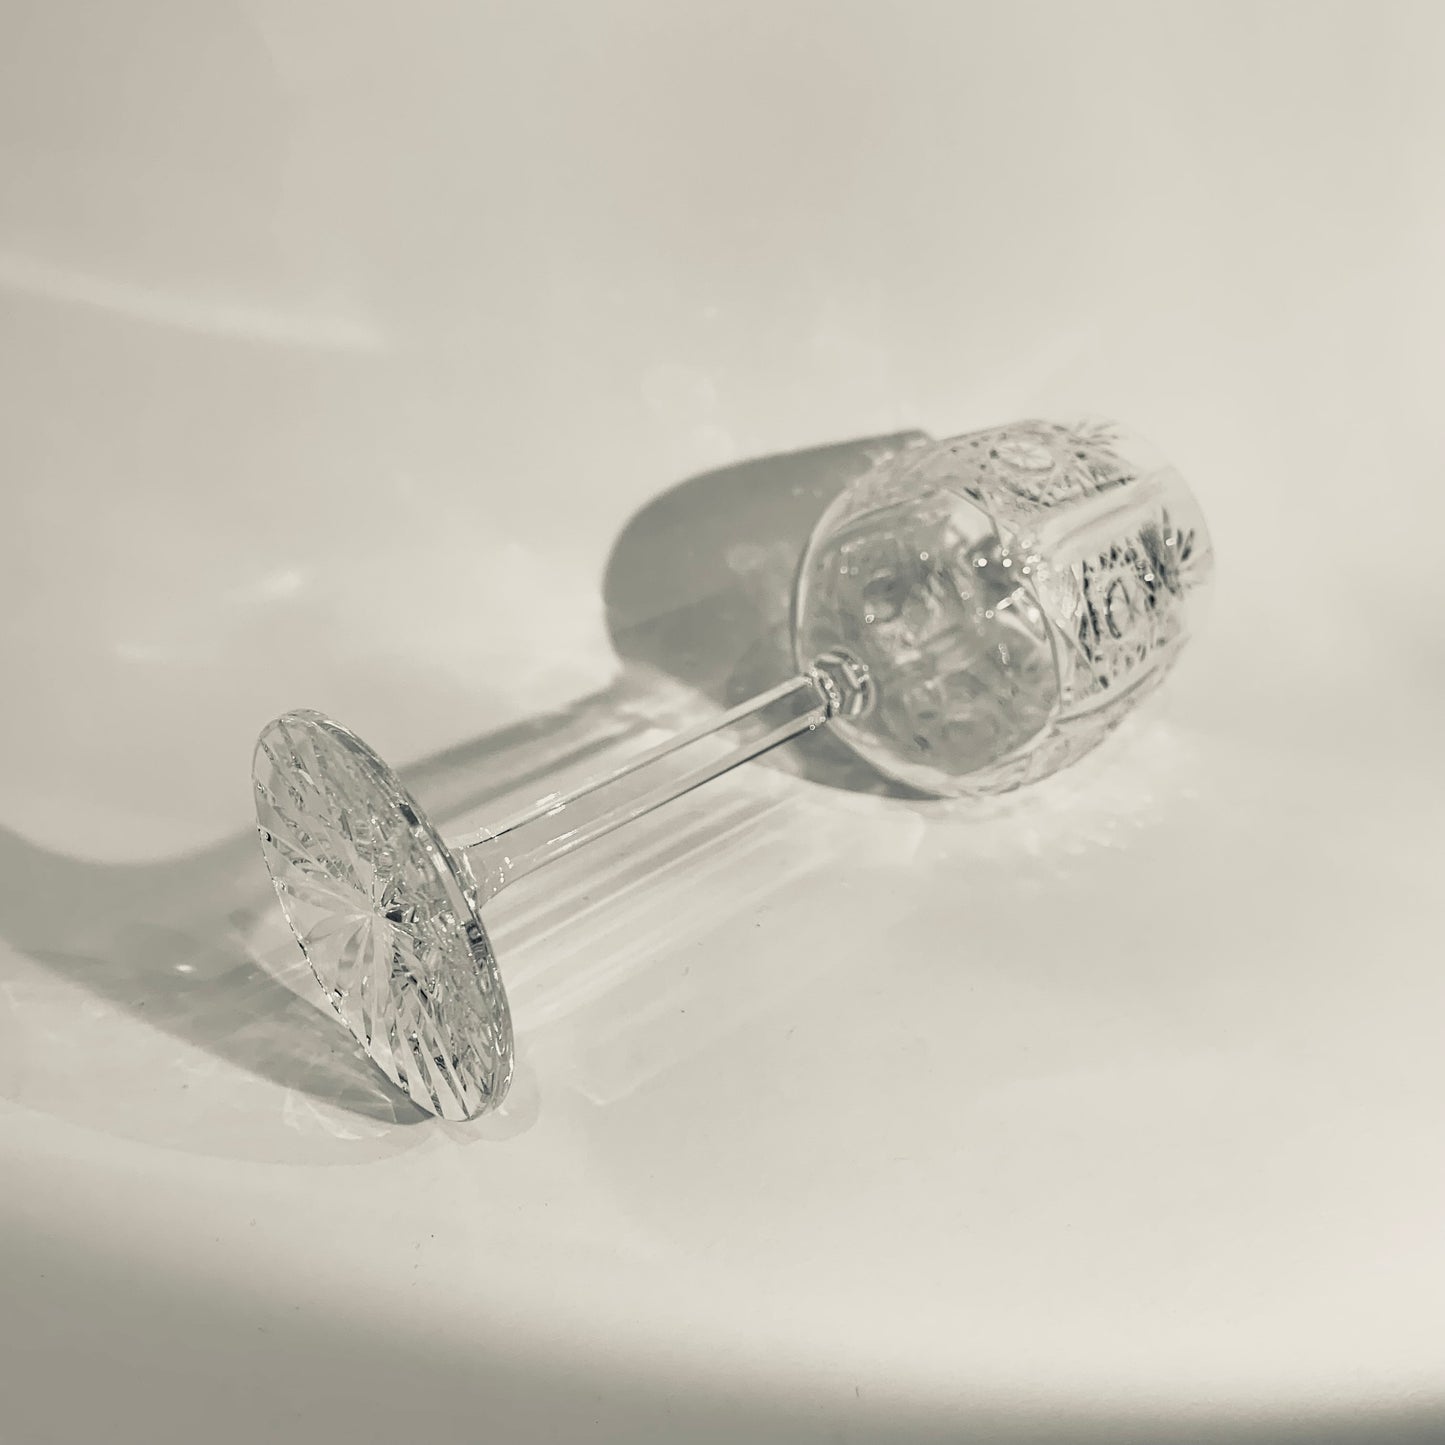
(386, 914)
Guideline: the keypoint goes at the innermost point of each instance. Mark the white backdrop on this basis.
(343, 346)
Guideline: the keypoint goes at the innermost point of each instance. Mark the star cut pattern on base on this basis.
(385, 914)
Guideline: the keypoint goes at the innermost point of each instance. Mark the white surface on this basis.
(339, 345)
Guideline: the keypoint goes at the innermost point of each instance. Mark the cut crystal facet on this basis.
(1011, 596)
(385, 914)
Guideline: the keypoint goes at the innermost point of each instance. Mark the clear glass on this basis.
(969, 616)
(1010, 594)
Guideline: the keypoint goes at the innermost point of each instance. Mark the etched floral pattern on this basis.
(1047, 463)
(1132, 603)
(946, 570)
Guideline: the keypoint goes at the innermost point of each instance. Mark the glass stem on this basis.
(563, 822)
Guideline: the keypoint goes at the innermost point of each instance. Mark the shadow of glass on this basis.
(165, 942)
(195, 948)
(697, 593)
(699, 585)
